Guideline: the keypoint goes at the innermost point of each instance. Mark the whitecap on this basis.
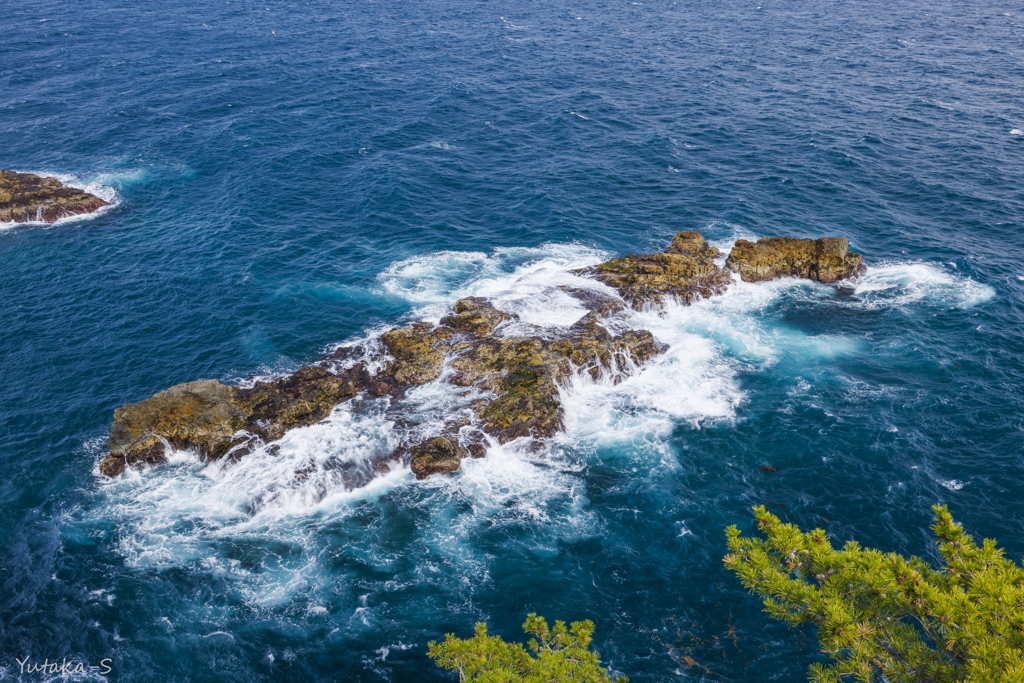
(891, 284)
(952, 484)
(696, 380)
(521, 280)
(1017, 131)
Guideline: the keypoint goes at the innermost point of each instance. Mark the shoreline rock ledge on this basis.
(26, 197)
(507, 372)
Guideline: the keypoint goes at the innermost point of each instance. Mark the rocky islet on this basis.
(516, 376)
(26, 197)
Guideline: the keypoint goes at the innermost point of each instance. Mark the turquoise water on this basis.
(291, 176)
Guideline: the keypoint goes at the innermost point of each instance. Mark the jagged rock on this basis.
(519, 377)
(28, 197)
(824, 260)
(685, 271)
(525, 372)
(203, 415)
(475, 314)
(435, 455)
(212, 418)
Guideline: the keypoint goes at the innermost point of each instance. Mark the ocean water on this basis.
(291, 176)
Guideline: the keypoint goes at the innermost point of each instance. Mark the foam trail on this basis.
(891, 284)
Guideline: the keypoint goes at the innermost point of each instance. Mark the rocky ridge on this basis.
(27, 197)
(473, 347)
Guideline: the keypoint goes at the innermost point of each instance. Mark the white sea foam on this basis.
(696, 381)
(1017, 131)
(891, 284)
(187, 512)
(102, 185)
(521, 280)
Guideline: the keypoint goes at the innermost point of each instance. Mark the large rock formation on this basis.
(824, 260)
(214, 419)
(518, 375)
(26, 197)
(686, 271)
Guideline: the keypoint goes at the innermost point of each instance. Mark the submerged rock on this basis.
(516, 378)
(823, 260)
(27, 197)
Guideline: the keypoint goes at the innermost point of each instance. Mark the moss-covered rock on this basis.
(212, 419)
(824, 260)
(417, 358)
(203, 415)
(27, 197)
(475, 315)
(684, 272)
(435, 455)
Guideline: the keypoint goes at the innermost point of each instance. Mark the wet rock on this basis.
(686, 271)
(203, 415)
(417, 360)
(824, 260)
(595, 302)
(476, 315)
(28, 197)
(304, 398)
(212, 419)
(524, 373)
(435, 455)
(513, 382)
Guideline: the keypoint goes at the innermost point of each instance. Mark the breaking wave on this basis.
(316, 482)
(910, 282)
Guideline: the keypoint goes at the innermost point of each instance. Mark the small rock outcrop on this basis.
(824, 260)
(27, 197)
(686, 271)
(434, 456)
(516, 376)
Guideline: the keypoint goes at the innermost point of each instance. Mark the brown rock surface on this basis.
(27, 197)
(434, 456)
(685, 271)
(825, 260)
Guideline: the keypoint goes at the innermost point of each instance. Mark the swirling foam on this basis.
(288, 495)
(902, 283)
(520, 280)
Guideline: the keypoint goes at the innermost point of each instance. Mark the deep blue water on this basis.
(290, 176)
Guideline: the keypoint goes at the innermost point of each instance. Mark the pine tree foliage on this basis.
(559, 654)
(883, 617)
